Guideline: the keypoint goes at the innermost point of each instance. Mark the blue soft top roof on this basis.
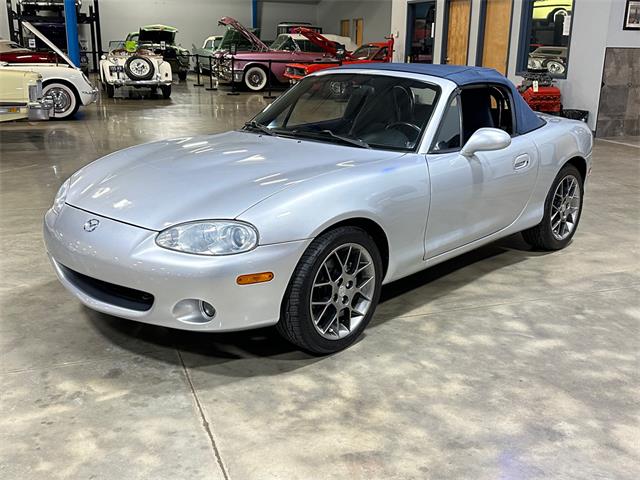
(526, 119)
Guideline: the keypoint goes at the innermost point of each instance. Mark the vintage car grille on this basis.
(110, 293)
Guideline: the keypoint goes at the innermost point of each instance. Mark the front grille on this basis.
(110, 293)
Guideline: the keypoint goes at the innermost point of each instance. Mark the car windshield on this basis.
(157, 36)
(365, 52)
(362, 110)
(233, 37)
(283, 42)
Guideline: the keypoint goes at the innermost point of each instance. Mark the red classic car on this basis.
(11, 52)
(375, 52)
(256, 65)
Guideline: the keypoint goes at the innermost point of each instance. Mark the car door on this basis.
(472, 197)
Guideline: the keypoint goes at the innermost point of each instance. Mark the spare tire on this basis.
(138, 68)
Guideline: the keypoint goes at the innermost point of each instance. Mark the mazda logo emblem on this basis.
(91, 225)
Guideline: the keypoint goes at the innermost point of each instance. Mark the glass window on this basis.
(307, 46)
(449, 133)
(375, 111)
(283, 42)
(546, 36)
(420, 35)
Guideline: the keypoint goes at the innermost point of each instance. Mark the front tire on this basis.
(65, 100)
(333, 291)
(562, 211)
(182, 76)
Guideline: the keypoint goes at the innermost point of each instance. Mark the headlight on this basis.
(214, 237)
(61, 196)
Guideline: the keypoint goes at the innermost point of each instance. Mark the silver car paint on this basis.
(431, 208)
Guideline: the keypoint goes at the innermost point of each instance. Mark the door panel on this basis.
(344, 28)
(475, 197)
(497, 28)
(459, 14)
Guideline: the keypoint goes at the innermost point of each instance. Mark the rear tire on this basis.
(562, 212)
(182, 76)
(110, 89)
(333, 291)
(166, 91)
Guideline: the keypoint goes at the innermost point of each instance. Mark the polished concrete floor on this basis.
(502, 364)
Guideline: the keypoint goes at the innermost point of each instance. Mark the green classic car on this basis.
(161, 40)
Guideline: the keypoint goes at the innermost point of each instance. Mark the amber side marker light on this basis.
(254, 278)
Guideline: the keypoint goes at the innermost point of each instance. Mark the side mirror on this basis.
(486, 139)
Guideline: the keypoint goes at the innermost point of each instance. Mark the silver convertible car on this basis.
(354, 178)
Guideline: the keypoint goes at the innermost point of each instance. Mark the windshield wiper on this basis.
(353, 141)
(319, 134)
(258, 126)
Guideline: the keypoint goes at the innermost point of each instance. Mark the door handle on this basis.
(521, 161)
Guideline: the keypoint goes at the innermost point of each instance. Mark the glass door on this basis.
(421, 17)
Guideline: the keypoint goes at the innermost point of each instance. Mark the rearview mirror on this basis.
(486, 139)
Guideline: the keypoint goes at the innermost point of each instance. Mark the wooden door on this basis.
(497, 30)
(344, 28)
(459, 14)
(358, 23)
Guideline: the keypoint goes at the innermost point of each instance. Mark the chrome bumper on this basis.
(140, 83)
(40, 110)
(127, 256)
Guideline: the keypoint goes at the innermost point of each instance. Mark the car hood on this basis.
(164, 183)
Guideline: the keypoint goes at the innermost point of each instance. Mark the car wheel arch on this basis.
(580, 163)
(65, 82)
(370, 226)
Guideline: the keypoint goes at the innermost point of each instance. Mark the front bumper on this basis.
(89, 96)
(40, 110)
(127, 256)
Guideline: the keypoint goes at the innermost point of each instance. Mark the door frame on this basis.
(408, 29)
(481, 32)
(445, 31)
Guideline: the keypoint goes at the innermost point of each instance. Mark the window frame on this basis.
(526, 23)
(457, 92)
(419, 141)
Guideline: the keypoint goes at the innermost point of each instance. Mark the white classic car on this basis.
(65, 84)
(21, 96)
(140, 69)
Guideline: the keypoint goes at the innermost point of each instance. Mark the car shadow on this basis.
(204, 349)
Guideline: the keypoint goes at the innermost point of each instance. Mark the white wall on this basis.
(195, 19)
(375, 13)
(4, 22)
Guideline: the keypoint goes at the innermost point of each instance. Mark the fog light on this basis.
(207, 309)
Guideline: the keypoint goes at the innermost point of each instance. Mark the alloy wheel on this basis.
(565, 207)
(342, 291)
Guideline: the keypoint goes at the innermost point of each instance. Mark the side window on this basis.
(449, 133)
(501, 110)
(485, 107)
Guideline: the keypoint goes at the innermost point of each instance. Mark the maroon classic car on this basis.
(11, 52)
(252, 68)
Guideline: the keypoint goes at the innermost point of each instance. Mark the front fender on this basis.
(393, 193)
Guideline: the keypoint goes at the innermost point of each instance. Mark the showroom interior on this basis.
(187, 188)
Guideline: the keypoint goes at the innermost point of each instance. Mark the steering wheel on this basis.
(403, 124)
